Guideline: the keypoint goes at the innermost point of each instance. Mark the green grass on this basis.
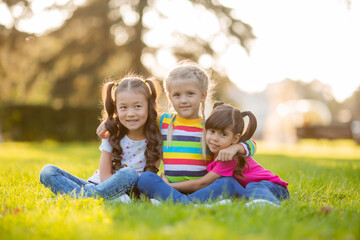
(323, 176)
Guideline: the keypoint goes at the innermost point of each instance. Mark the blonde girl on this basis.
(133, 145)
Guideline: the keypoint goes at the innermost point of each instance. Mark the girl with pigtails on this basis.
(133, 146)
(225, 127)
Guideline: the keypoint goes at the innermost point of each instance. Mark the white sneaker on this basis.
(155, 202)
(260, 203)
(218, 203)
(122, 199)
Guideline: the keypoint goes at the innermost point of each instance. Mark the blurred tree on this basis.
(353, 103)
(289, 89)
(65, 66)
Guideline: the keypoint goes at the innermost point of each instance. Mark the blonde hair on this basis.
(188, 70)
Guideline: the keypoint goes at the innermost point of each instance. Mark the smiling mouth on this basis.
(132, 121)
(213, 145)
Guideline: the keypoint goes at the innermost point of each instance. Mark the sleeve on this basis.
(105, 145)
(250, 147)
(225, 169)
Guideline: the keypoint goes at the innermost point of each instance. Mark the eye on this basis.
(191, 93)
(211, 131)
(122, 107)
(224, 134)
(138, 106)
(176, 95)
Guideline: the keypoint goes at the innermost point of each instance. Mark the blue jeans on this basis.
(267, 190)
(153, 186)
(60, 181)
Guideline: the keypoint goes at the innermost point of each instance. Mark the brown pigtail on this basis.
(112, 124)
(152, 132)
(252, 125)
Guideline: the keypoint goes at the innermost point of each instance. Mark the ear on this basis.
(203, 96)
(236, 138)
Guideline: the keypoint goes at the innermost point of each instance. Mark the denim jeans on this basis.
(60, 181)
(153, 186)
(267, 190)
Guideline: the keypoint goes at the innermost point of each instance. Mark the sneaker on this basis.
(218, 203)
(155, 202)
(260, 203)
(122, 199)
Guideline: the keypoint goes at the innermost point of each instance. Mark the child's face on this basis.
(132, 110)
(186, 97)
(217, 139)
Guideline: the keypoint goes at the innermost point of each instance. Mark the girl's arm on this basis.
(191, 186)
(101, 131)
(247, 149)
(105, 166)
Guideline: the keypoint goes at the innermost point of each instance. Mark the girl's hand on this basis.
(228, 153)
(101, 131)
(164, 178)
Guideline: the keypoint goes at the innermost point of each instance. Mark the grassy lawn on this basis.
(323, 176)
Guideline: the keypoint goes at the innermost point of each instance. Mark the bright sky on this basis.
(300, 40)
(296, 39)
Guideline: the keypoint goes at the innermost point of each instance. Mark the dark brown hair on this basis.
(118, 131)
(226, 116)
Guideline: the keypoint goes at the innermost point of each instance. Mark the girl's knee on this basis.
(129, 173)
(228, 179)
(254, 185)
(47, 171)
(147, 175)
(145, 178)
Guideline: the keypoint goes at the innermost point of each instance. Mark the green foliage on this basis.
(37, 123)
(66, 65)
(323, 181)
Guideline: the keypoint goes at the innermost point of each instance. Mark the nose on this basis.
(183, 99)
(215, 137)
(130, 112)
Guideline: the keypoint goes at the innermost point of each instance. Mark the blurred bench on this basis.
(333, 131)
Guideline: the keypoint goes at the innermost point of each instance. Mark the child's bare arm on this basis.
(191, 186)
(101, 131)
(247, 149)
(105, 166)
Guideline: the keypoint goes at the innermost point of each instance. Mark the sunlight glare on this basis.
(129, 16)
(302, 40)
(206, 61)
(165, 58)
(6, 18)
(53, 18)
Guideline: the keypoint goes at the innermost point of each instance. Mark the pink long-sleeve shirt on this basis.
(252, 173)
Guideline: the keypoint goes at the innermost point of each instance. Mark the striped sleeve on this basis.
(250, 147)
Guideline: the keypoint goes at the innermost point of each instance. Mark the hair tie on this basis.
(115, 84)
(217, 104)
(245, 113)
(148, 86)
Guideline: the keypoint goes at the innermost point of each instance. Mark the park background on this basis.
(293, 63)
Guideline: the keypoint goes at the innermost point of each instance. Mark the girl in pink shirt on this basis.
(224, 127)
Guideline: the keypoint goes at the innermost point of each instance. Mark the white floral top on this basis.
(132, 156)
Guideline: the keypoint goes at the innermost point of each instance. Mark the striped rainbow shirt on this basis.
(183, 159)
